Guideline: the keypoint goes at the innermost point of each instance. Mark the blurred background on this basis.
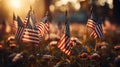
(78, 9)
(79, 12)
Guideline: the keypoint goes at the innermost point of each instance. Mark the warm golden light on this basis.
(63, 8)
(73, 1)
(102, 3)
(82, 0)
(16, 3)
(8, 29)
(32, 2)
(110, 2)
(64, 2)
(61, 2)
(58, 3)
(52, 8)
(77, 6)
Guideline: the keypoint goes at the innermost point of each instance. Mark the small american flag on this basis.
(65, 43)
(20, 29)
(91, 24)
(94, 23)
(21, 26)
(31, 36)
(97, 33)
(25, 21)
(31, 33)
(43, 26)
(46, 24)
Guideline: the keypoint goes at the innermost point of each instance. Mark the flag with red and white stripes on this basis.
(43, 26)
(97, 32)
(95, 24)
(91, 24)
(31, 33)
(65, 43)
(31, 36)
(25, 21)
(20, 29)
(21, 26)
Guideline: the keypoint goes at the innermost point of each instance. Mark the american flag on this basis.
(43, 26)
(25, 21)
(94, 23)
(21, 26)
(46, 24)
(65, 43)
(31, 36)
(20, 29)
(91, 24)
(31, 33)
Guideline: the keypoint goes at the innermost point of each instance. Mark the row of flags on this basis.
(93, 23)
(31, 33)
(29, 30)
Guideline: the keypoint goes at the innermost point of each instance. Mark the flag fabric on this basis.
(21, 26)
(97, 33)
(31, 33)
(65, 43)
(46, 28)
(95, 24)
(31, 36)
(43, 26)
(25, 21)
(20, 29)
(91, 24)
(46, 24)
